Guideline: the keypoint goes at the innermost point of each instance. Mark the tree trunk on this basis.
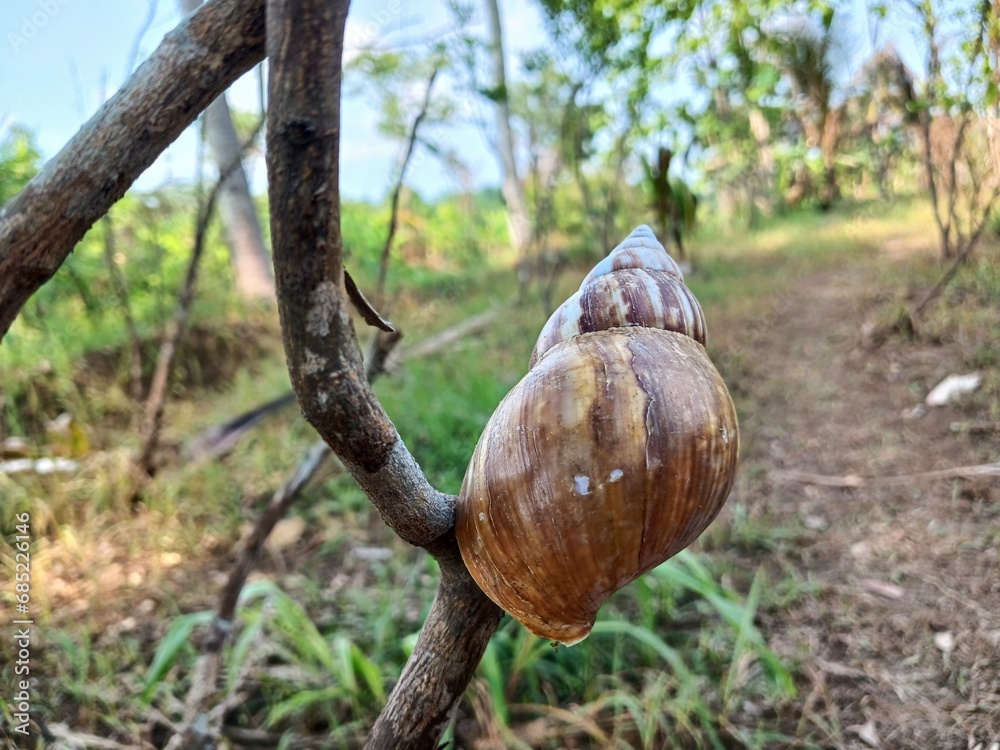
(251, 260)
(305, 48)
(513, 193)
(829, 140)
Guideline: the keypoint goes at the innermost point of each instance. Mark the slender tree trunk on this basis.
(513, 192)
(828, 146)
(251, 260)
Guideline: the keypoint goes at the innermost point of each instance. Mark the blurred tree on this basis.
(774, 74)
(957, 107)
(251, 259)
(803, 50)
(401, 81)
(608, 51)
(879, 117)
(673, 201)
(513, 190)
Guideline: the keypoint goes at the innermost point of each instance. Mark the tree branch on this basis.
(305, 45)
(411, 141)
(451, 643)
(195, 63)
(324, 360)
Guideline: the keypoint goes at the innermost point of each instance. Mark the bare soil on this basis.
(896, 628)
(898, 631)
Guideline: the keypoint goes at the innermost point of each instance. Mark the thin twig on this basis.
(442, 340)
(987, 617)
(934, 292)
(133, 54)
(975, 428)
(219, 439)
(63, 734)
(120, 287)
(854, 481)
(383, 265)
(156, 399)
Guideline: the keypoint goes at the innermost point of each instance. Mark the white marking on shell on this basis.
(616, 474)
(569, 313)
(482, 516)
(581, 485)
(690, 314)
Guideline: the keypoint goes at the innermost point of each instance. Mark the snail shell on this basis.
(612, 454)
(638, 284)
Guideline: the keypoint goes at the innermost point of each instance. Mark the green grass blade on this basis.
(645, 637)
(170, 647)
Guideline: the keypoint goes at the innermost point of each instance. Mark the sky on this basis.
(59, 59)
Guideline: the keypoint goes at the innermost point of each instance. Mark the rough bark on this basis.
(324, 359)
(451, 643)
(195, 63)
(829, 145)
(513, 193)
(251, 260)
(305, 47)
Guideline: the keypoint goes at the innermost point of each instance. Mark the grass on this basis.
(676, 658)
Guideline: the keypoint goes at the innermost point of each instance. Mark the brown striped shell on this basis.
(638, 284)
(611, 455)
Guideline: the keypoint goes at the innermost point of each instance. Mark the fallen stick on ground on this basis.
(442, 340)
(218, 440)
(853, 480)
(975, 428)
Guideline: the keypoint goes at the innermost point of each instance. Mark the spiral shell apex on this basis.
(613, 453)
(638, 284)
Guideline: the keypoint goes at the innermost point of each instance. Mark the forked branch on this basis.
(305, 46)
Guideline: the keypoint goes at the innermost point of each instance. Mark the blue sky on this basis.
(59, 59)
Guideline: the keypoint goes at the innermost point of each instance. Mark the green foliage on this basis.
(612, 33)
(80, 311)
(19, 161)
(675, 657)
(169, 651)
(639, 665)
(400, 81)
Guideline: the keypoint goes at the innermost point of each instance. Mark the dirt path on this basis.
(899, 625)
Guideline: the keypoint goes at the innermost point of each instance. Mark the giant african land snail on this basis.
(612, 454)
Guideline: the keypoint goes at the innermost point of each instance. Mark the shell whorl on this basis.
(637, 284)
(640, 249)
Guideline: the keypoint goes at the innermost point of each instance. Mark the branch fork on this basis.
(193, 65)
